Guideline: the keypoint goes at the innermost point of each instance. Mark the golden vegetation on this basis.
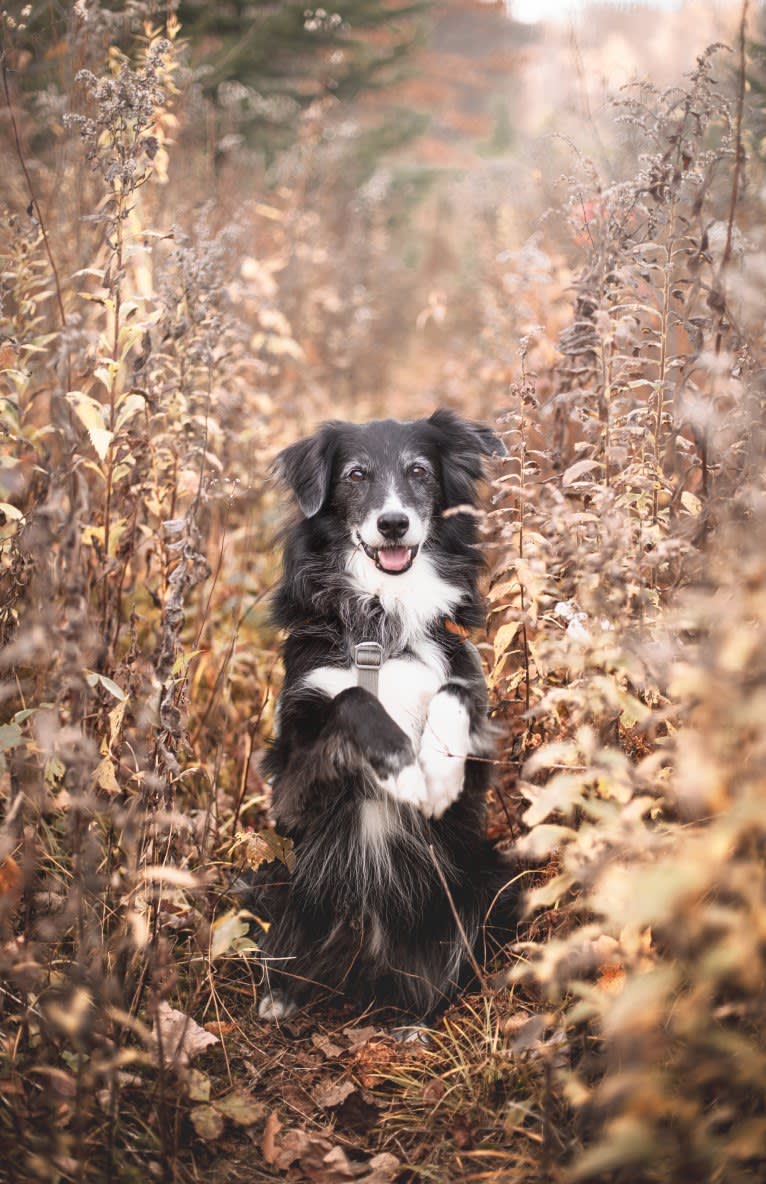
(157, 348)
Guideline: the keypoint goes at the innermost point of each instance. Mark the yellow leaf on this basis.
(691, 503)
(105, 776)
(90, 414)
(504, 637)
(226, 932)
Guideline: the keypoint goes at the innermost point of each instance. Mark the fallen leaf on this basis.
(219, 1027)
(10, 878)
(240, 1107)
(207, 1122)
(198, 1086)
(333, 1093)
(326, 1046)
(384, 1167)
(373, 1059)
(357, 1036)
(268, 1142)
(322, 1162)
(181, 1037)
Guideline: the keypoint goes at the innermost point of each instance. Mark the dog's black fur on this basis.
(370, 801)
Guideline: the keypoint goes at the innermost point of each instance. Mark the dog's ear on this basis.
(462, 444)
(306, 467)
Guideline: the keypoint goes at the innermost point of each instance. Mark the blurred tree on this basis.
(272, 60)
(263, 61)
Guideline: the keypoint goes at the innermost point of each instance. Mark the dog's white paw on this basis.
(443, 750)
(408, 786)
(274, 1007)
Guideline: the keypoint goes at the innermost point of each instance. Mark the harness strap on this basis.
(368, 658)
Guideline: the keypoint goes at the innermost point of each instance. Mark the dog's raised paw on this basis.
(274, 1007)
(409, 786)
(443, 750)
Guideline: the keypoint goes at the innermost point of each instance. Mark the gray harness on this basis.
(368, 658)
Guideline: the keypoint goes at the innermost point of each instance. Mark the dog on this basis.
(380, 761)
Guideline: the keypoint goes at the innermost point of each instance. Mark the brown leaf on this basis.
(268, 1142)
(357, 1036)
(181, 1037)
(326, 1046)
(384, 1168)
(10, 877)
(257, 847)
(333, 1093)
(219, 1027)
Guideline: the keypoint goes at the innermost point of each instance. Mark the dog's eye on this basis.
(418, 471)
(357, 474)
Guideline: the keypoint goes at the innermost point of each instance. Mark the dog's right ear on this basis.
(306, 467)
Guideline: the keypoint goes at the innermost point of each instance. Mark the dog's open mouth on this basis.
(393, 560)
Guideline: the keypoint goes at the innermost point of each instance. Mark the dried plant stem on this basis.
(736, 179)
(33, 199)
(118, 260)
(663, 360)
(461, 929)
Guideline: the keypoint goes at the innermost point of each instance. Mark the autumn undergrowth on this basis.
(150, 368)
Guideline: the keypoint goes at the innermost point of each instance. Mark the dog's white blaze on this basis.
(416, 531)
(445, 745)
(406, 686)
(416, 597)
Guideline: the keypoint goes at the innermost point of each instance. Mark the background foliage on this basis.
(180, 296)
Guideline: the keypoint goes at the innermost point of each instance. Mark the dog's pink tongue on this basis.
(394, 558)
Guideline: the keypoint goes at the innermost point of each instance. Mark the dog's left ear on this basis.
(306, 467)
(467, 435)
(462, 444)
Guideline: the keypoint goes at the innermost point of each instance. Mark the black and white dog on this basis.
(382, 711)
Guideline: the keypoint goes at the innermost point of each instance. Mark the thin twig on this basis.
(469, 948)
(736, 179)
(30, 189)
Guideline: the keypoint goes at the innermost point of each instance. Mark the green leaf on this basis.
(10, 736)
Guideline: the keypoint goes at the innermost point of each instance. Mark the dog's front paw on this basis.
(362, 719)
(443, 750)
(409, 786)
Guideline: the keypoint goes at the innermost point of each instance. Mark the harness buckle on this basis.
(368, 659)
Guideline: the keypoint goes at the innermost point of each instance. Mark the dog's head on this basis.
(386, 482)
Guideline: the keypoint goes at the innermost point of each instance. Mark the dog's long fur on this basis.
(373, 791)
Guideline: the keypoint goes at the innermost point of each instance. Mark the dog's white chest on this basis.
(406, 686)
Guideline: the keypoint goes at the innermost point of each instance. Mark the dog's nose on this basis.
(393, 524)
